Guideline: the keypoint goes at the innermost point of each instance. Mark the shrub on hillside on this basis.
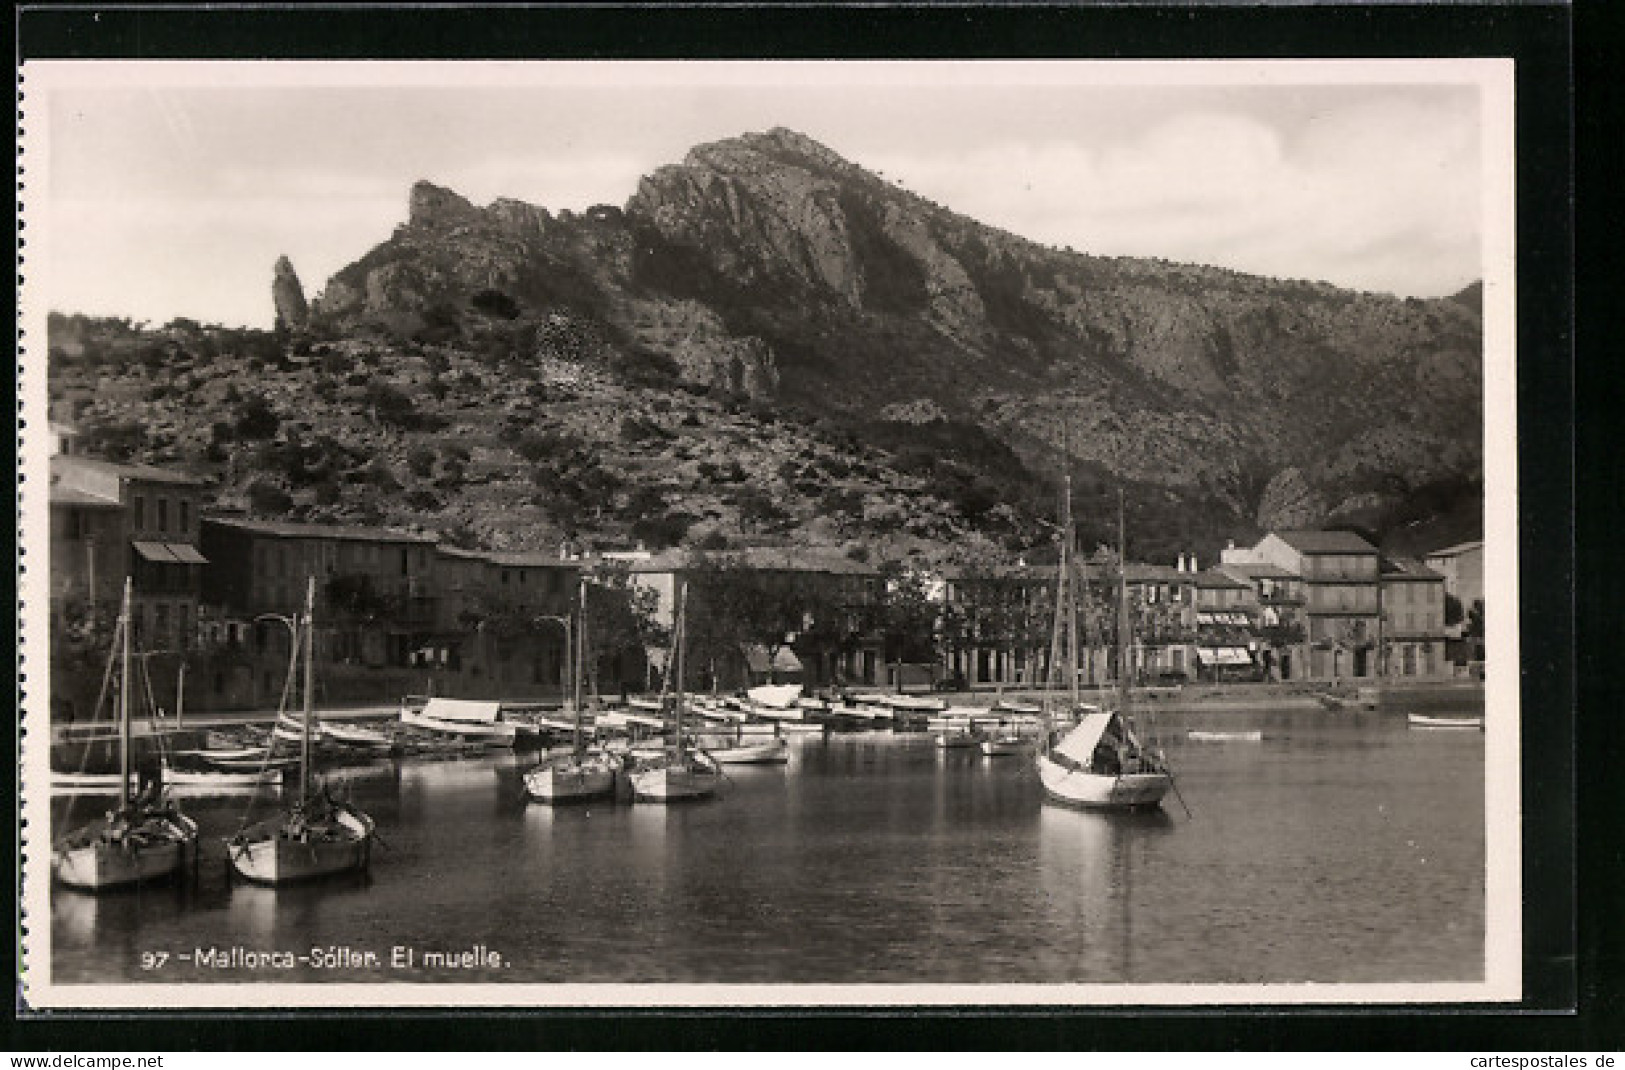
(266, 499)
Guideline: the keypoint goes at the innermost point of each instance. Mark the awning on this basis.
(1216, 617)
(170, 553)
(1223, 655)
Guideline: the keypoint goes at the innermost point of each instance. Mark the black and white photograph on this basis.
(702, 533)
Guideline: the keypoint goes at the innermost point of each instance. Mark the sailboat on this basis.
(580, 775)
(1098, 762)
(318, 835)
(145, 838)
(682, 771)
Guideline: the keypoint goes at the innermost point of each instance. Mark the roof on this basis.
(1407, 568)
(1459, 548)
(288, 529)
(1326, 542)
(523, 559)
(144, 472)
(1256, 570)
(73, 496)
(1213, 578)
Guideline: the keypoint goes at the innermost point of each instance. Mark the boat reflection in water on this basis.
(1089, 861)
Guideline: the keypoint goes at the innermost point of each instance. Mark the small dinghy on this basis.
(1420, 720)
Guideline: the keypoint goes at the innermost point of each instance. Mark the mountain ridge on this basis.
(768, 269)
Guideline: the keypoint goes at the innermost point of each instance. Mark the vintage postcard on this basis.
(564, 534)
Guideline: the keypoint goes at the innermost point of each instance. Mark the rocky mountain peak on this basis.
(433, 207)
(288, 296)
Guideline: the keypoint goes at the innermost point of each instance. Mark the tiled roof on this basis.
(71, 496)
(291, 530)
(1407, 568)
(1326, 542)
(529, 560)
(1459, 548)
(1213, 579)
(124, 471)
(1256, 570)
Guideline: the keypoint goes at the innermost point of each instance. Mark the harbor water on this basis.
(1338, 848)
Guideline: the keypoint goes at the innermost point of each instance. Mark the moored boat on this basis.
(147, 838)
(64, 782)
(681, 771)
(1004, 744)
(773, 751)
(317, 836)
(356, 737)
(469, 720)
(956, 739)
(1098, 763)
(1421, 720)
(580, 775)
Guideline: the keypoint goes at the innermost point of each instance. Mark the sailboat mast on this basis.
(1122, 607)
(1068, 553)
(680, 641)
(575, 655)
(124, 698)
(310, 686)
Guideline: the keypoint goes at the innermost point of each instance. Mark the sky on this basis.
(157, 190)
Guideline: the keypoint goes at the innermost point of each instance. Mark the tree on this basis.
(732, 604)
(622, 617)
(908, 616)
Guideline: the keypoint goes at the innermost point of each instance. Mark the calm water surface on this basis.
(1338, 849)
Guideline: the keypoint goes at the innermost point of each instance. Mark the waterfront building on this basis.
(1462, 567)
(109, 521)
(1277, 623)
(1413, 631)
(1342, 594)
(1227, 644)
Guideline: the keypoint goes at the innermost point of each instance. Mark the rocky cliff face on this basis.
(767, 265)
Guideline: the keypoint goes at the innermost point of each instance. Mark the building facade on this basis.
(1413, 631)
(110, 522)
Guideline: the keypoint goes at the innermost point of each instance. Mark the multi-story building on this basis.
(1413, 631)
(112, 521)
(1462, 567)
(1342, 596)
(1226, 618)
(1277, 619)
(374, 588)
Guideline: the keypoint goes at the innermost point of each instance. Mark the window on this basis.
(186, 517)
(163, 516)
(161, 622)
(140, 512)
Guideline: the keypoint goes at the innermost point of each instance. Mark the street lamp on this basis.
(569, 651)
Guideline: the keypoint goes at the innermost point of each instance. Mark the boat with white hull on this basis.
(775, 751)
(1003, 745)
(474, 721)
(318, 836)
(681, 772)
(355, 737)
(145, 839)
(1422, 720)
(70, 783)
(1097, 762)
(580, 775)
